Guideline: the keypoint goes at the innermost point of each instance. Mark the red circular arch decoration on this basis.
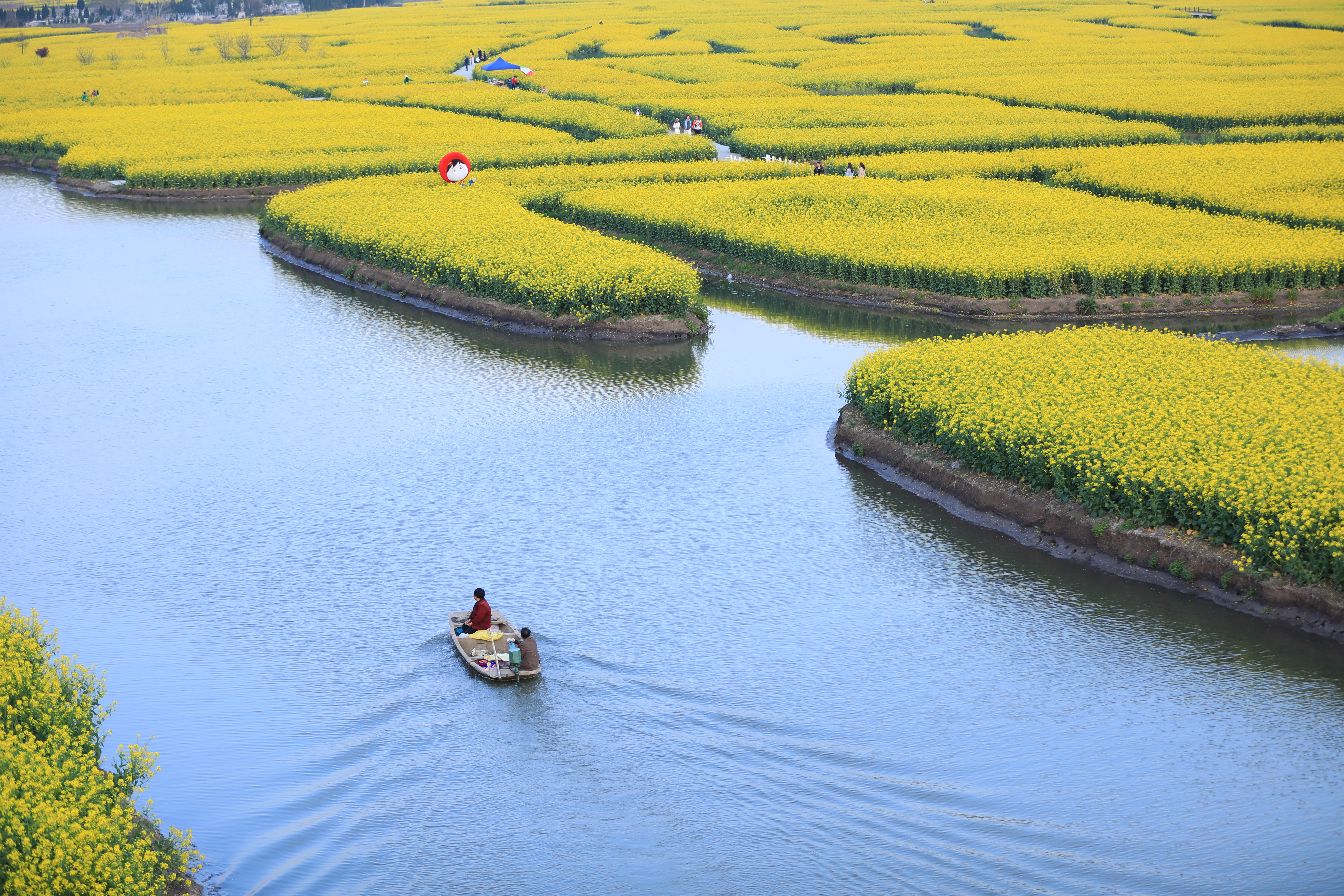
(460, 165)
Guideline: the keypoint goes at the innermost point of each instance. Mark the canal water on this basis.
(253, 499)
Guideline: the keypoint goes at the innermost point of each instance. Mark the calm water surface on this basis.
(253, 500)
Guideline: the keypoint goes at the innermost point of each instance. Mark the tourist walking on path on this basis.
(849, 169)
(863, 171)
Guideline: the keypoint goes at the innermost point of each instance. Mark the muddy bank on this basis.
(1318, 330)
(1049, 309)
(111, 189)
(1159, 556)
(647, 328)
(39, 164)
(117, 189)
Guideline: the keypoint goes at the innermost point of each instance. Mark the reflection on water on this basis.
(634, 368)
(857, 322)
(254, 499)
(826, 319)
(1331, 350)
(1148, 612)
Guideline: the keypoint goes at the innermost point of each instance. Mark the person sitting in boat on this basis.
(528, 645)
(479, 620)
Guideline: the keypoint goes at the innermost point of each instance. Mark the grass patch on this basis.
(986, 32)
(590, 50)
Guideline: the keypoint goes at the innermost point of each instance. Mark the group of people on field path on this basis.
(688, 125)
(819, 167)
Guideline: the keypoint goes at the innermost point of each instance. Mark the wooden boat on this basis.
(490, 659)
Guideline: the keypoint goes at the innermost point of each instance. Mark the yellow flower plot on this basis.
(66, 825)
(968, 236)
(540, 187)
(295, 142)
(819, 126)
(584, 119)
(1298, 183)
(1162, 66)
(480, 240)
(1240, 444)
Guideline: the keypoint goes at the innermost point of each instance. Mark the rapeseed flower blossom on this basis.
(67, 826)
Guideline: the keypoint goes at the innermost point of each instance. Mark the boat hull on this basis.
(489, 659)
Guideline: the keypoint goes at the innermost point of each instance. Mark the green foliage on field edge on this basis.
(68, 826)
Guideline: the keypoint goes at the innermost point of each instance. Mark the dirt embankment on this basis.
(647, 328)
(113, 189)
(1062, 309)
(1161, 556)
(1321, 329)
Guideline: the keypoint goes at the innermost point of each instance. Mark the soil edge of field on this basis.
(1067, 531)
(646, 328)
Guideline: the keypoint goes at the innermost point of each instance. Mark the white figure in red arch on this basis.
(454, 168)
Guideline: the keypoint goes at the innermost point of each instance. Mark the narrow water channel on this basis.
(253, 499)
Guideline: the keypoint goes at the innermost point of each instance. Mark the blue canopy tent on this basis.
(501, 64)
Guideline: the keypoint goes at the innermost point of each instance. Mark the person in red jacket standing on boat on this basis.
(479, 620)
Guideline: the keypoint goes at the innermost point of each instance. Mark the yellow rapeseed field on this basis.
(221, 144)
(1235, 442)
(814, 126)
(831, 65)
(585, 119)
(1298, 183)
(969, 236)
(1082, 97)
(480, 240)
(541, 187)
(1290, 181)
